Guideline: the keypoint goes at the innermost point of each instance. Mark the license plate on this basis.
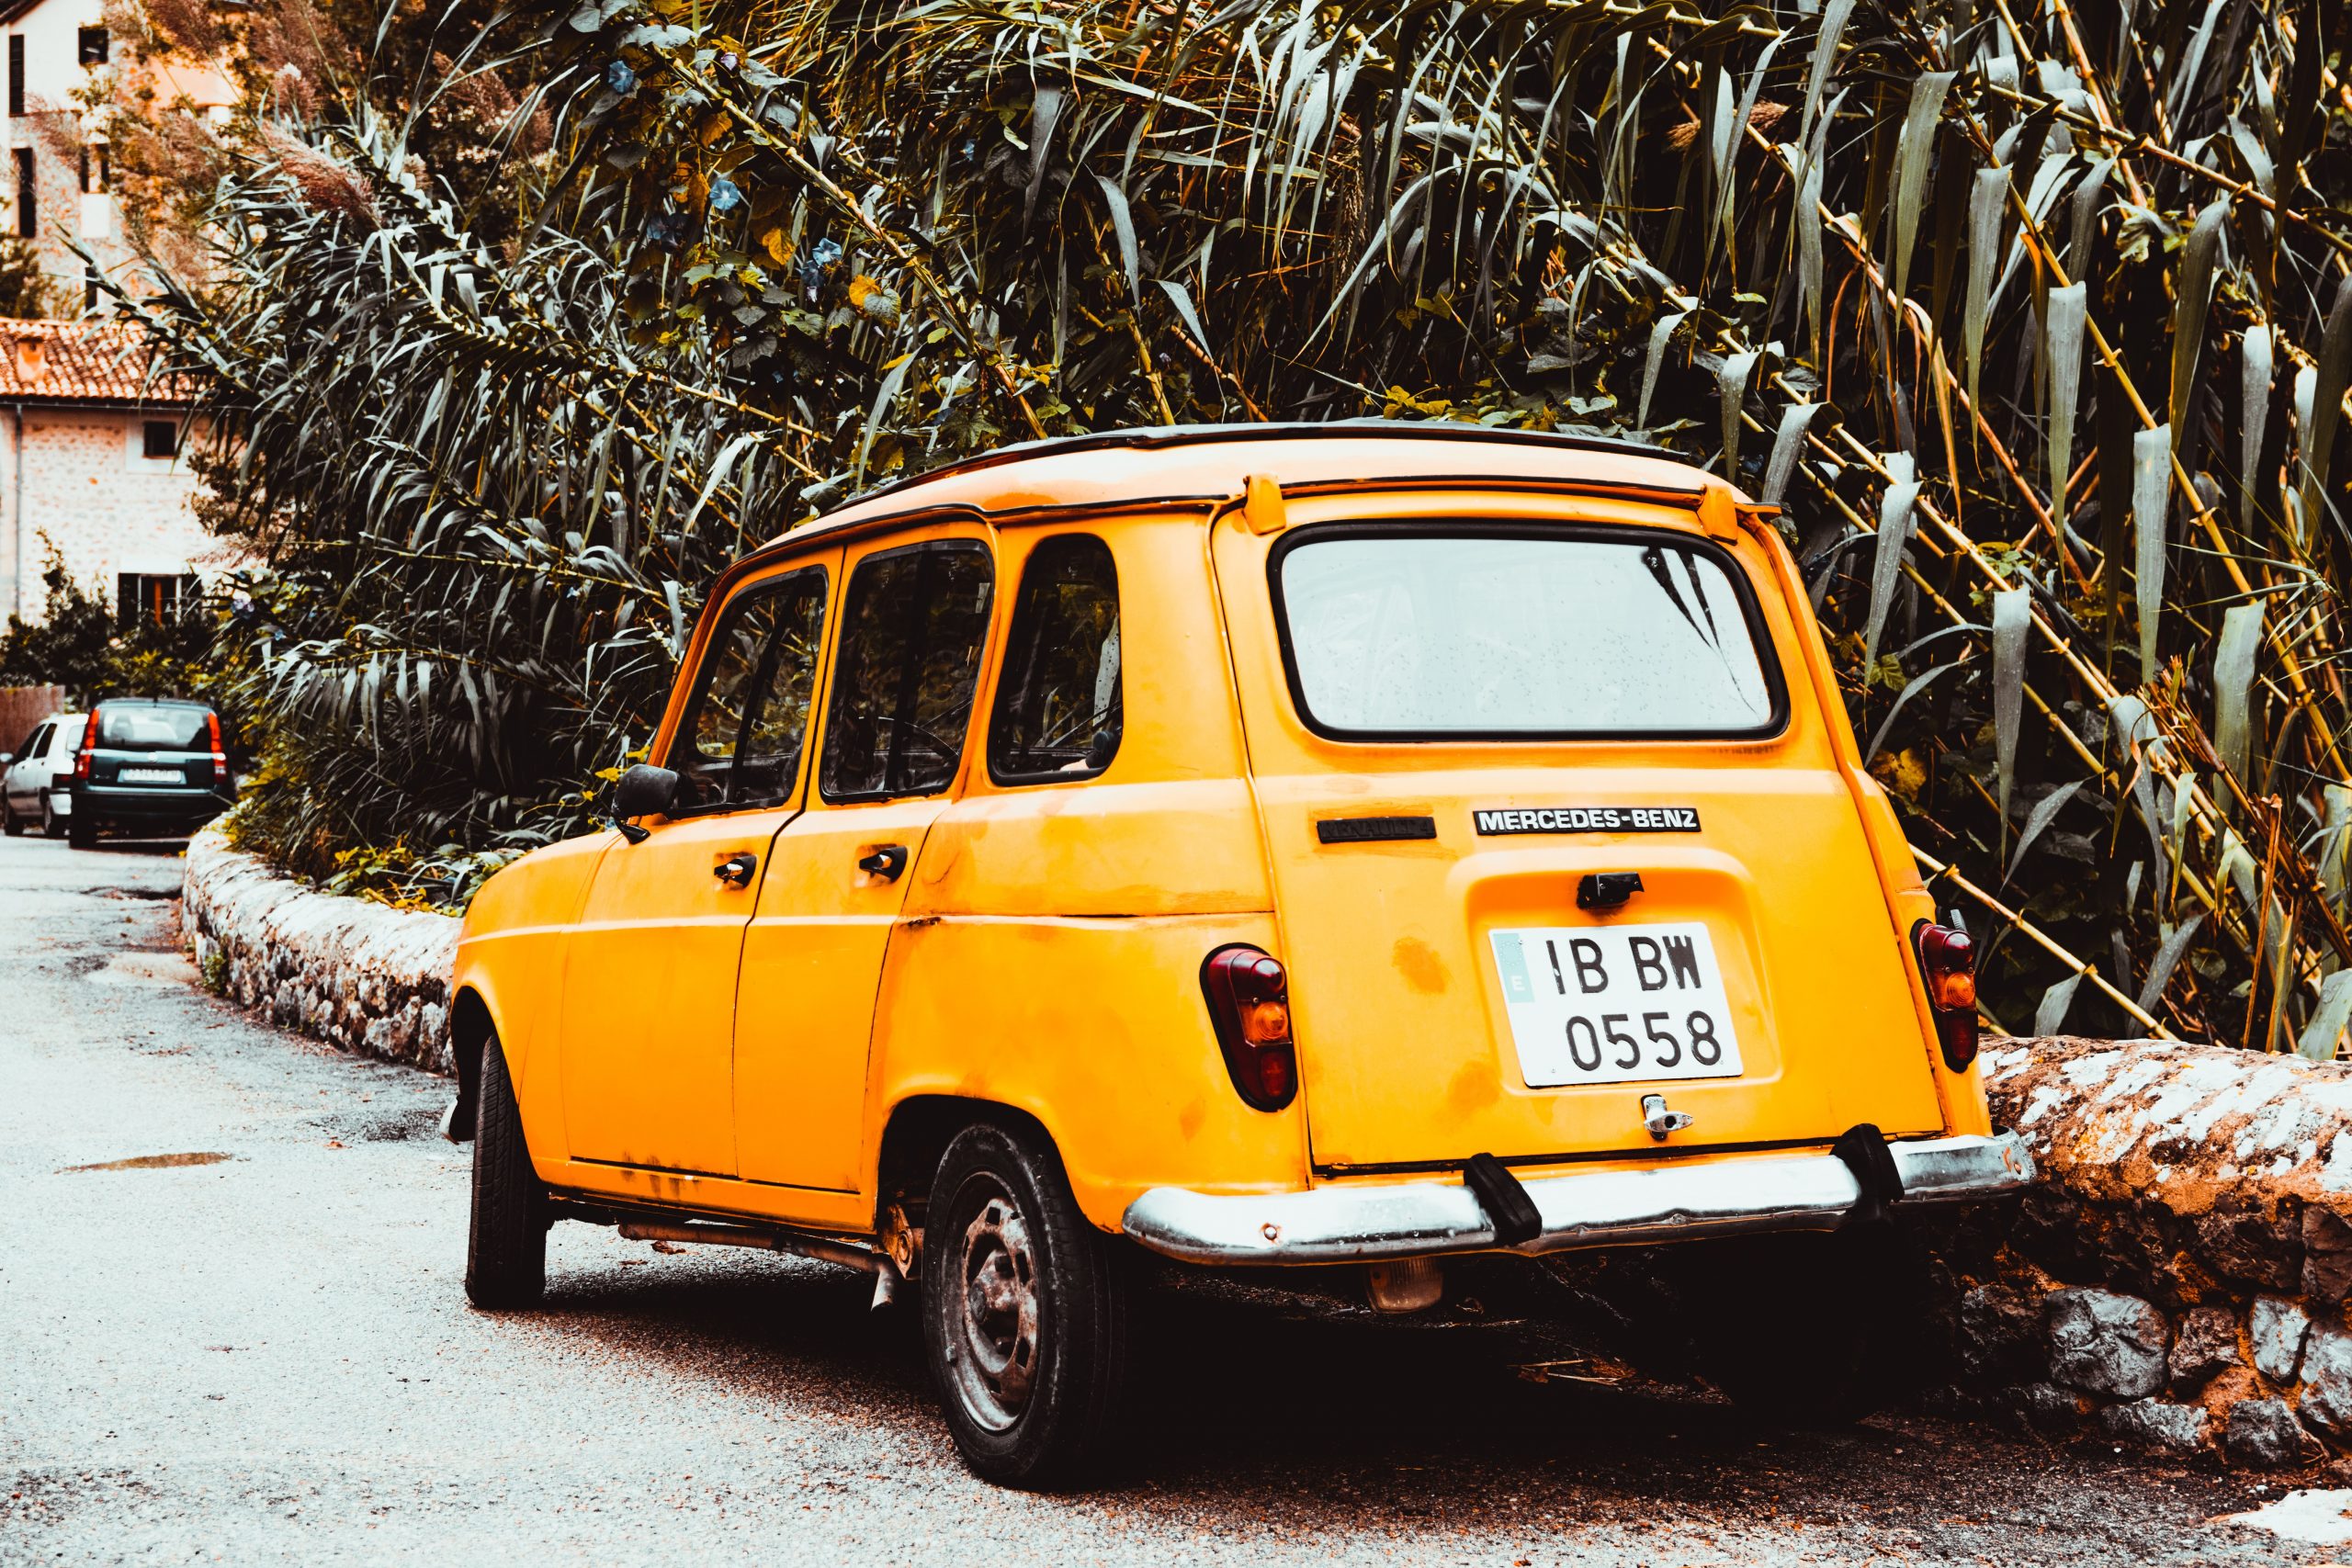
(152, 775)
(1615, 1004)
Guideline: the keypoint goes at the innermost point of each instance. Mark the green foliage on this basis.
(78, 644)
(779, 250)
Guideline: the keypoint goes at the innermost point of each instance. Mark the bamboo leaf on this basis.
(1914, 145)
(2329, 377)
(1788, 444)
(2012, 614)
(2151, 489)
(2321, 1037)
(2254, 394)
(2045, 811)
(2193, 296)
(1123, 222)
(2051, 1016)
(1886, 566)
(2168, 954)
(2233, 689)
(1911, 688)
(1824, 58)
(1731, 389)
(1988, 193)
(1661, 331)
(2066, 311)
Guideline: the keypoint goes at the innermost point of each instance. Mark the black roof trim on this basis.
(1155, 436)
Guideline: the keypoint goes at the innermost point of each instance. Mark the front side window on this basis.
(913, 625)
(1394, 633)
(1058, 710)
(740, 743)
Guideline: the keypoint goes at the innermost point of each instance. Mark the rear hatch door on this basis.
(1455, 720)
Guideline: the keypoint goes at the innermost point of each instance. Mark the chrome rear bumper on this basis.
(1347, 1222)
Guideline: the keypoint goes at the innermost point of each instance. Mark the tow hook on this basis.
(1661, 1121)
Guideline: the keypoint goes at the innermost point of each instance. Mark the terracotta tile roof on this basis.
(82, 362)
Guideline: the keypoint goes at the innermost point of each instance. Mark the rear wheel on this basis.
(52, 825)
(1025, 1313)
(506, 1244)
(1799, 1330)
(81, 830)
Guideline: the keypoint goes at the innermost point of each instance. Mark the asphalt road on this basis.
(255, 1348)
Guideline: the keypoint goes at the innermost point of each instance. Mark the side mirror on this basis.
(643, 791)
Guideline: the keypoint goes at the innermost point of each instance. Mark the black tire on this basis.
(81, 830)
(507, 1242)
(52, 825)
(1025, 1313)
(1802, 1330)
(10, 823)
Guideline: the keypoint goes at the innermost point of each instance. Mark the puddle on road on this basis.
(146, 967)
(2322, 1517)
(149, 1162)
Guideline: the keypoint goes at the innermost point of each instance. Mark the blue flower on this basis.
(824, 253)
(725, 196)
(620, 78)
(667, 230)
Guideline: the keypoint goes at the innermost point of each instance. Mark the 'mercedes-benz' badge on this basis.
(1589, 819)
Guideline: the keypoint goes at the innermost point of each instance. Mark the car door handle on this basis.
(886, 862)
(736, 869)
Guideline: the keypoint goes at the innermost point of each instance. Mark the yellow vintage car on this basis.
(1271, 848)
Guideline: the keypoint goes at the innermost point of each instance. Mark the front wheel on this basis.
(1025, 1313)
(10, 823)
(506, 1243)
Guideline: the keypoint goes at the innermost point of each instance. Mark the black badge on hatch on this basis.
(1588, 819)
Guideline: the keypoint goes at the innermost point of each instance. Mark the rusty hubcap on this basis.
(993, 1337)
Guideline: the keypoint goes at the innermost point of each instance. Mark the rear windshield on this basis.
(152, 729)
(1403, 634)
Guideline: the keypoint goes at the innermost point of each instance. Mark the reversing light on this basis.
(1248, 998)
(1948, 965)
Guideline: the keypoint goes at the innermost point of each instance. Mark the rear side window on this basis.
(914, 624)
(740, 745)
(36, 745)
(1058, 712)
(1393, 634)
(153, 730)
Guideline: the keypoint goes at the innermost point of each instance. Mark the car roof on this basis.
(1210, 462)
(154, 703)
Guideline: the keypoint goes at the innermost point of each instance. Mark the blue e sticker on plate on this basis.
(1512, 962)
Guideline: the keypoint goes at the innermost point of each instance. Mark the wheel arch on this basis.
(917, 1134)
(470, 1029)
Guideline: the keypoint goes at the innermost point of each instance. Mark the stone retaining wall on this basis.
(358, 975)
(2177, 1278)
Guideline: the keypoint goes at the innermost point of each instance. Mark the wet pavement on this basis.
(231, 1330)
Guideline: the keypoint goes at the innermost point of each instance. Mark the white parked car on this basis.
(38, 784)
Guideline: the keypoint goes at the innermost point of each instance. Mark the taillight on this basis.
(220, 752)
(1948, 965)
(89, 740)
(1248, 998)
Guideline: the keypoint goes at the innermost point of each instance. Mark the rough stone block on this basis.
(2327, 1256)
(2326, 1403)
(2205, 1342)
(1999, 1332)
(2263, 1434)
(2155, 1425)
(2105, 1344)
(2277, 1329)
(2050, 1409)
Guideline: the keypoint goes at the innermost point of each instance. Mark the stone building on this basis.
(90, 463)
(55, 187)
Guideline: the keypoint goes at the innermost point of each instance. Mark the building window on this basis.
(142, 597)
(17, 75)
(90, 46)
(96, 168)
(28, 211)
(160, 438)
